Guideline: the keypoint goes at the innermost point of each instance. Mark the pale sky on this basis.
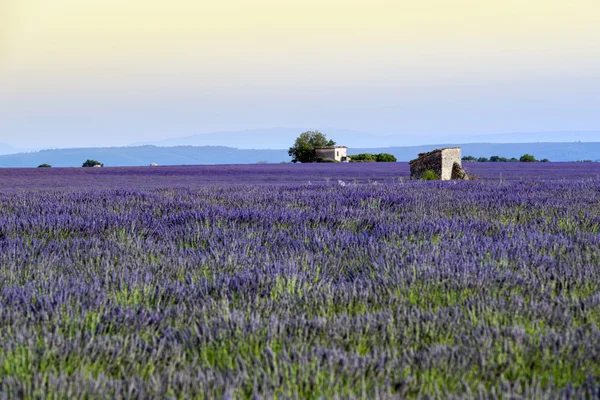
(114, 72)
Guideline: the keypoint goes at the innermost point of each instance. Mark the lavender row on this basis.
(381, 290)
(270, 174)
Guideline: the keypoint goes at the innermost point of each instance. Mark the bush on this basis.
(92, 163)
(430, 175)
(483, 159)
(368, 157)
(363, 157)
(385, 157)
(44, 166)
(469, 158)
(527, 158)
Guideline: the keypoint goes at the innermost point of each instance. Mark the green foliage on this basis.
(92, 163)
(430, 175)
(524, 158)
(368, 157)
(363, 157)
(527, 158)
(303, 149)
(44, 166)
(385, 157)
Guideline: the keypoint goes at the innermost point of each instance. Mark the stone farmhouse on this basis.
(337, 153)
(446, 163)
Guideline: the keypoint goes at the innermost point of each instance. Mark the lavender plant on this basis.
(167, 285)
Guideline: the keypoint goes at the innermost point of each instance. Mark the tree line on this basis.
(523, 158)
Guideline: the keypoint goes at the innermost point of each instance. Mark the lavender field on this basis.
(300, 281)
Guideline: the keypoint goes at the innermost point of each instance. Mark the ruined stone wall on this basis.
(441, 161)
(432, 161)
(449, 157)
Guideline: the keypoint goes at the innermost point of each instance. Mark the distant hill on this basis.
(6, 149)
(277, 138)
(143, 155)
(188, 155)
(282, 138)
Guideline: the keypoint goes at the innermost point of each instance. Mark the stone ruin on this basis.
(446, 163)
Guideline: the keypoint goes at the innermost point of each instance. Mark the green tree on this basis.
(385, 157)
(469, 158)
(44, 166)
(527, 158)
(483, 159)
(303, 149)
(92, 163)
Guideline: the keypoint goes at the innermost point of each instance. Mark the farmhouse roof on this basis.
(331, 147)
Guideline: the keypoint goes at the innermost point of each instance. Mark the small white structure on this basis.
(154, 165)
(97, 166)
(337, 153)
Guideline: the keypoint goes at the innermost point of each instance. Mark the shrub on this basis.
(363, 157)
(368, 157)
(527, 158)
(385, 157)
(92, 163)
(430, 175)
(44, 166)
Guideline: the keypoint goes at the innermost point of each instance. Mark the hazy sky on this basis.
(110, 72)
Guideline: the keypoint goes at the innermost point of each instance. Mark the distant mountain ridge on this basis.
(282, 138)
(6, 149)
(189, 155)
